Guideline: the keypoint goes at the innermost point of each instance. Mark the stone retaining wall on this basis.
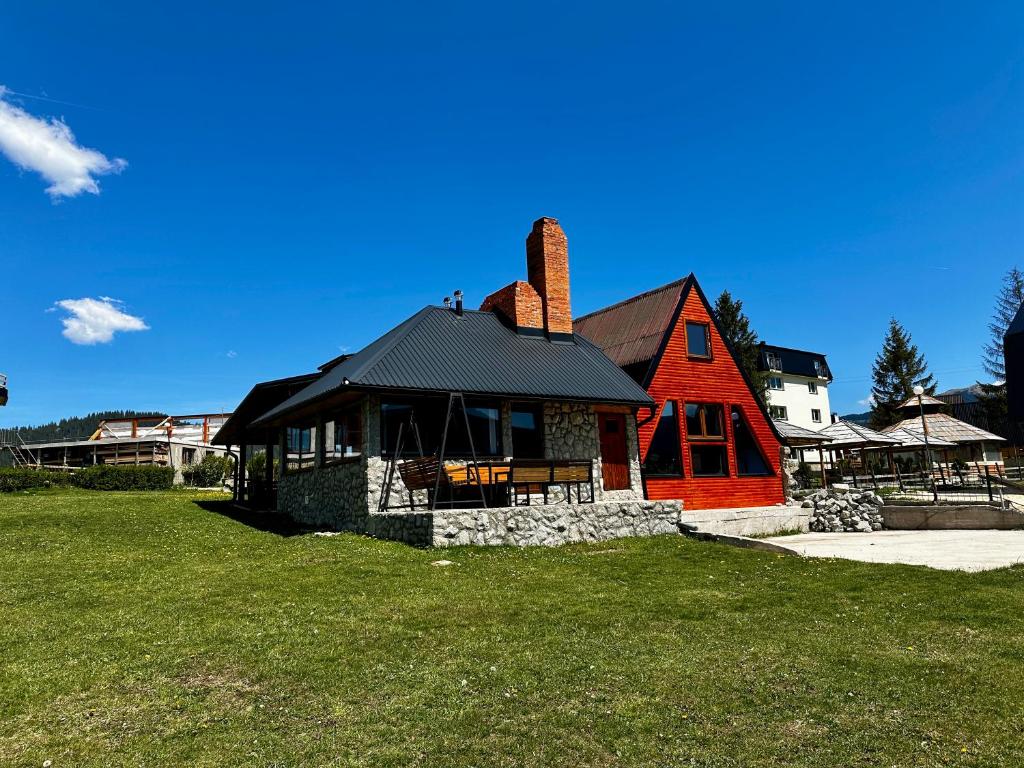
(749, 521)
(974, 517)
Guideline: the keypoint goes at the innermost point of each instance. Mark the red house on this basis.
(709, 440)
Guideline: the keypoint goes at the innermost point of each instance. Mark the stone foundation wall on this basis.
(538, 525)
(327, 497)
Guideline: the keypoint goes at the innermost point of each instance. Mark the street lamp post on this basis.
(919, 391)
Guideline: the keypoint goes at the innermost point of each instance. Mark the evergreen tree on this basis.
(1008, 301)
(735, 327)
(898, 368)
(993, 396)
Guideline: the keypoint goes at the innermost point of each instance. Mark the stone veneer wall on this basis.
(571, 432)
(538, 525)
(328, 497)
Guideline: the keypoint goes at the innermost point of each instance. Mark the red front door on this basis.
(614, 462)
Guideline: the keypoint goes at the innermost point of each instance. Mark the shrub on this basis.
(20, 479)
(210, 472)
(257, 465)
(107, 477)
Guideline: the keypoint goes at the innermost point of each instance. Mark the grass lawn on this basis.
(145, 629)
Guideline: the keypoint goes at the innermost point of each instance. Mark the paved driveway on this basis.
(948, 550)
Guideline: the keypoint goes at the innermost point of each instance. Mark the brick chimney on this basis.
(547, 267)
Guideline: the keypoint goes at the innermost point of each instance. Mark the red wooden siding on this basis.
(716, 381)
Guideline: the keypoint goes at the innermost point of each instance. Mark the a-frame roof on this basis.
(438, 350)
(636, 330)
(633, 330)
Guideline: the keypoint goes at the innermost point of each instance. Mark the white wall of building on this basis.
(796, 397)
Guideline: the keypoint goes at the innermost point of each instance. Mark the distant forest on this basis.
(74, 428)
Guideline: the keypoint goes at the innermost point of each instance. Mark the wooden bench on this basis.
(423, 474)
(529, 477)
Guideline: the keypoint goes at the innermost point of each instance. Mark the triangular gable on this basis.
(690, 284)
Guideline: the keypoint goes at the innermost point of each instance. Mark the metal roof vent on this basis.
(458, 303)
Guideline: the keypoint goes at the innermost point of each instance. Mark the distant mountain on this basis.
(858, 418)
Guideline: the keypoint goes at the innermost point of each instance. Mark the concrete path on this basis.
(947, 550)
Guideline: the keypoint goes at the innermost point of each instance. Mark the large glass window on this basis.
(698, 339)
(299, 448)
(343, 435)
(429, 415)
(664, 454)
(779, 412)
(704, 421)
(749, 459)
(709, 460)
(775, 382)
(527, 431)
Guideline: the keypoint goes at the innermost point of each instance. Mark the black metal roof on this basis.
(438, 350)
(798, 362)
(264, 395)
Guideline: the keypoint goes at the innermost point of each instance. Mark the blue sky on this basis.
(298, 180)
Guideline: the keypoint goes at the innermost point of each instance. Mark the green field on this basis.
(154, 629)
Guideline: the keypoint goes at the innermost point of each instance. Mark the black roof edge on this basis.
(791, 349)
(264, 385)
(371, 389)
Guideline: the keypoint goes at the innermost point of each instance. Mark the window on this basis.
(709, 461)
(816, 415)
(819, 369)
(429, 415)
(298, 445)
(812, 387)
(485, 425)
(749, 459)
(704, 421)
(664, 457)
(698, 339)
(188, 456)
(527, 431)
(778, 412)
(774, 361)
(343, 435)
(775, 382)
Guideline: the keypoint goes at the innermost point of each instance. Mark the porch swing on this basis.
(429, 473)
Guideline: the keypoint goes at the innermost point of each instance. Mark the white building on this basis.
(797, 386)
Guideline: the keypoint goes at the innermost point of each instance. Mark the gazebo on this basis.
(966, 441)
(848, 436)
(913, 442)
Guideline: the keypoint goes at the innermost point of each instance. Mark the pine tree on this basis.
(1008, 301)
(993, 396)
(898, 368)
(735, 327)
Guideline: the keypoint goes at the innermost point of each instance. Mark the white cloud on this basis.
(95, 321)
(232, 354)
(867, 402)
(49, 148)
